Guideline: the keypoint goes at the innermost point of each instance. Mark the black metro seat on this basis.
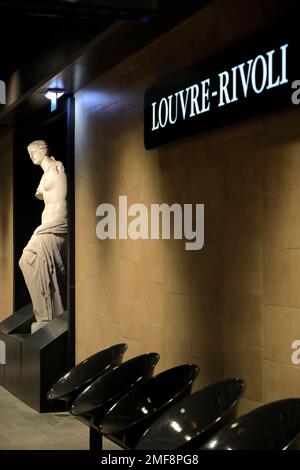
(196, 418)
(135, 412)
(79, 377)
(95, 400)
(274, 426)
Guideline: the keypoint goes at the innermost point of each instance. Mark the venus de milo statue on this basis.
(43, 262)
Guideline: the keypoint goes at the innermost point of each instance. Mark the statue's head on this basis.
(38, 150)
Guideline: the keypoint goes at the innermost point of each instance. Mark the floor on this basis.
(22, 428)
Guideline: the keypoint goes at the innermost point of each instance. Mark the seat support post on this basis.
(96, 439)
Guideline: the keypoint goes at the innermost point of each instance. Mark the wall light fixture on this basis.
(53, 94)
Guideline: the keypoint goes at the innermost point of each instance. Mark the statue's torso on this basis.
(53, 190)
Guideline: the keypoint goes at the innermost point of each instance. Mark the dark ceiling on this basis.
(29, 29)
(26, 38)
(44, 42)
(40, 38)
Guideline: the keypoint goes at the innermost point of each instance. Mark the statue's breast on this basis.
(40, 188)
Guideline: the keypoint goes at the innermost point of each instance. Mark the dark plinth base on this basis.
(12, 369)
(33, 361)
(18, 322)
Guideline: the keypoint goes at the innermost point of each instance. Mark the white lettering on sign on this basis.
(255, 75)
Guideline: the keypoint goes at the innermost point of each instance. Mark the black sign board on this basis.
(251, 78)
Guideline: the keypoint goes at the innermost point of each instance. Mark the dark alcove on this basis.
(35, 361)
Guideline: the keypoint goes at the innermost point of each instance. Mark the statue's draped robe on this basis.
(43, 264)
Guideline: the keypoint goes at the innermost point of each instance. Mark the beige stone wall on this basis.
(6, 227)
(233, 307)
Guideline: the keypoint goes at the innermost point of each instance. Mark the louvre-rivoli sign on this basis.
(251, 78)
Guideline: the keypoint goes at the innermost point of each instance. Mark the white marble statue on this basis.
(43, 262)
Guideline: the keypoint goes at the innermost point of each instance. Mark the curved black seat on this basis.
(137, 410)
(196, 418)
(95, 400)
(275, 426)
(79, 377)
